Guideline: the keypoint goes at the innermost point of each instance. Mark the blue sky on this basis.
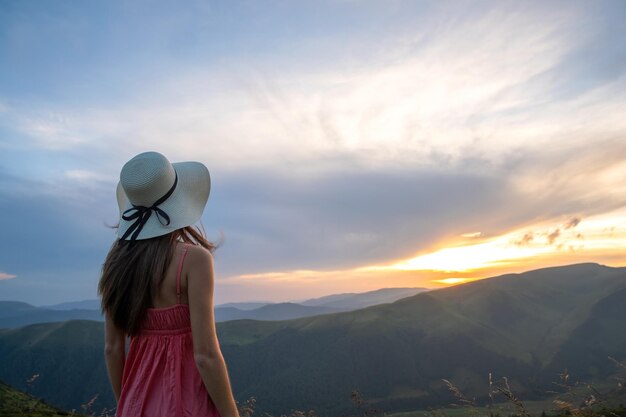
(341, 136)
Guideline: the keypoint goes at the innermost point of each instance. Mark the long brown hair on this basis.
(130, 277)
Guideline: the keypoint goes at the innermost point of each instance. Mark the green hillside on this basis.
(67, 356)
(523, 326)
(528, 327)
(14, 403)
(543, 306)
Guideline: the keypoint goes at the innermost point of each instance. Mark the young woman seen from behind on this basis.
(157, 288)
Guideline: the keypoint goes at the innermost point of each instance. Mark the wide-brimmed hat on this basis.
(156, 197)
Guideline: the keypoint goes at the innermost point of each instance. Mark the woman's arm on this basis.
(114, 354)
(207, 353)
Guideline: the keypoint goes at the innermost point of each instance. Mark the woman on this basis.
(157, 288)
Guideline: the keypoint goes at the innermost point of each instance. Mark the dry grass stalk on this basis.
(619, 364)
(247, 408)
(506, 391)
(465, 402)
(87, 406)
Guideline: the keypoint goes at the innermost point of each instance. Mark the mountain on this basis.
(15, 314)
(324, 305)
(11, 308)
(527, 327)
(249, 305)
(345, 301)
(277, 311)
(353, 301)
(92, 304)
(14, 403)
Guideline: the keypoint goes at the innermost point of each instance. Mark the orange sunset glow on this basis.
(471, 256)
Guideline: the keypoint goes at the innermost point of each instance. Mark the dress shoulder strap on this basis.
(180, 268)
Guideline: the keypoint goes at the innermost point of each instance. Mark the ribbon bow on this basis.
(143, 213)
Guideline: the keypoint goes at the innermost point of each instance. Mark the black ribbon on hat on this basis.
(143, 213)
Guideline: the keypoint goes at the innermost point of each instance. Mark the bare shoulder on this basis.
(199, 258)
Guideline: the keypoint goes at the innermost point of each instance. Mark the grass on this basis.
(575, 399)
(16, 403)
(569, 398)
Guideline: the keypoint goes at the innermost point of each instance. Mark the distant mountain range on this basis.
(246, 305)
(15, 313)
(277, 311)
(353, 301)
(528, 327)
(324, 305)
(93, 304)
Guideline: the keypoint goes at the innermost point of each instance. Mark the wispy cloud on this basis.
(4, 275)
(332, 146)
(480, 86)
(571, 223)
(87, 176)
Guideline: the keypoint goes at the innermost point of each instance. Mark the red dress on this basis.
(160, 377)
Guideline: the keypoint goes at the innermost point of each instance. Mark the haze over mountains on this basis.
(16, 313)
(528, 327)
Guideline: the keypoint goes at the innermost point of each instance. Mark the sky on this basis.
(352, 145)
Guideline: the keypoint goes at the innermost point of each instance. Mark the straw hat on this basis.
(156, 197)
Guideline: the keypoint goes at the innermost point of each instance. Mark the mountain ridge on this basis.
(17, 313)
(525, 326)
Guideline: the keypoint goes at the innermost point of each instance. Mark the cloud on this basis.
(526, 239)
(87, 176)
(571, 223)
(519, 247)
(563, 233)
(344, 218)
(476, 99)
(472, 235)
(328, 150)
(52, 132)
(479, 87)
(4, 275)
(552, 236)
(63, 227)
(453, 281)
